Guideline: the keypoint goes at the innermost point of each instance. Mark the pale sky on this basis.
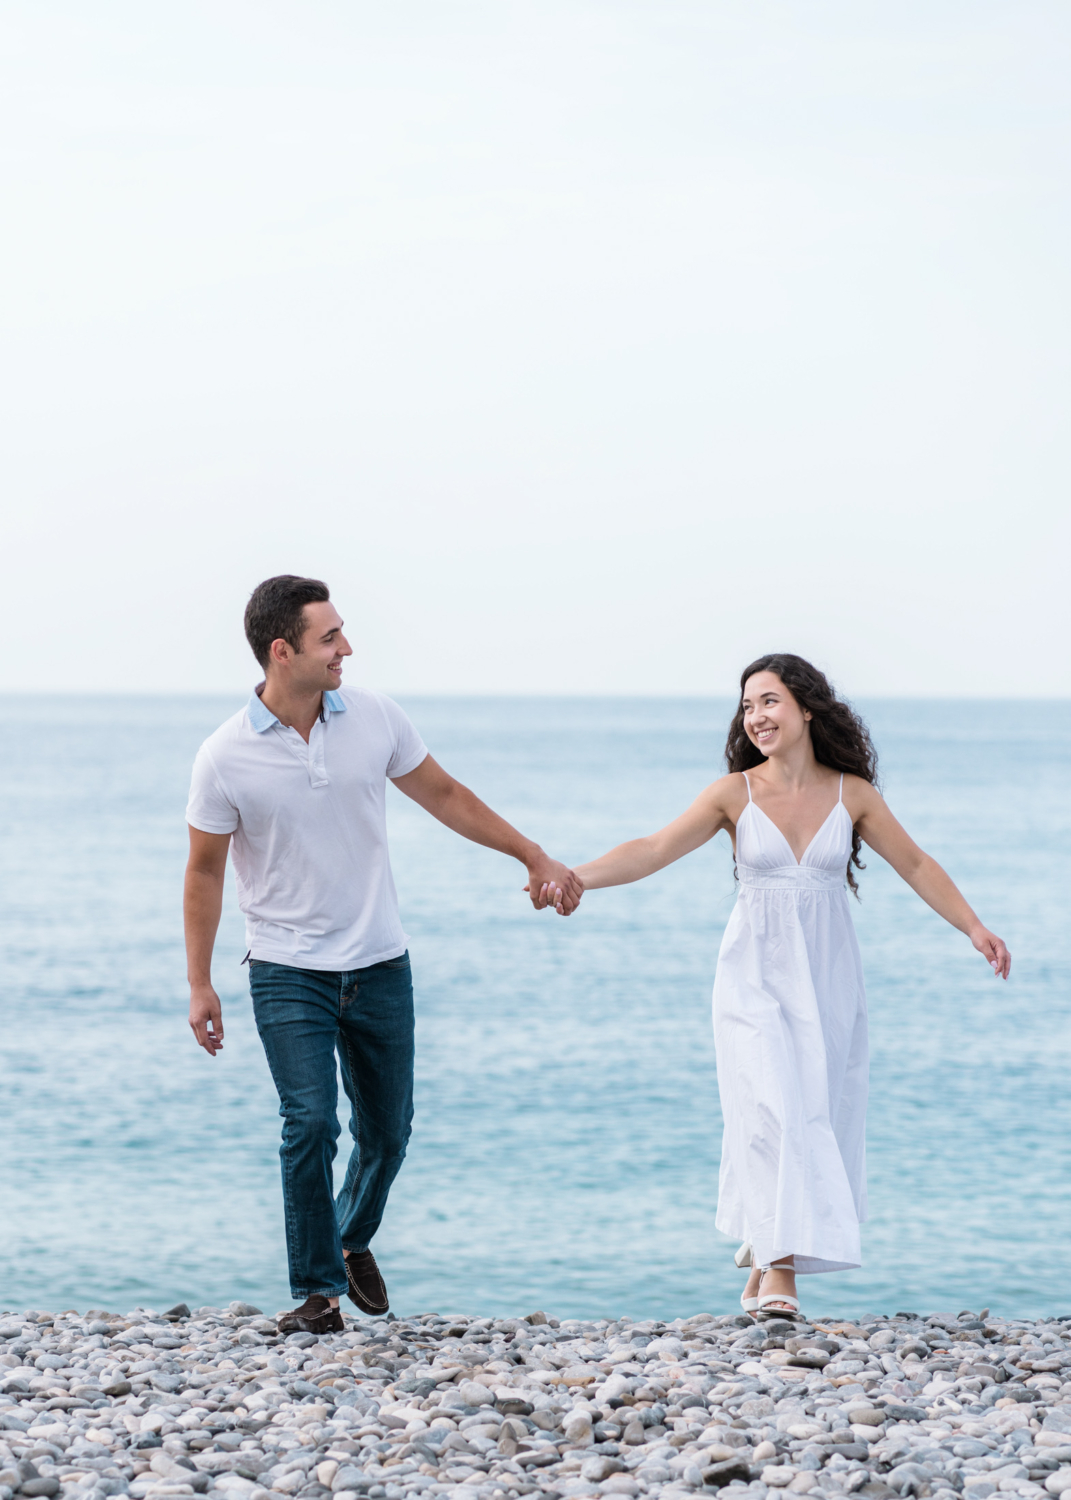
(581, 346)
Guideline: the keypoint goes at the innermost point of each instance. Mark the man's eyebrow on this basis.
(333, 631)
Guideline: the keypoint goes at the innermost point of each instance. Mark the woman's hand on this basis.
(992, 950)
(553, 895)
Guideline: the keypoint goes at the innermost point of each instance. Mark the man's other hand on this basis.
(206, 1019)
(551, 883)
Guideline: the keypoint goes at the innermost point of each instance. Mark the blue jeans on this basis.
(304, 1016)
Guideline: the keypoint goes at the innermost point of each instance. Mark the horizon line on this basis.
(571, 696)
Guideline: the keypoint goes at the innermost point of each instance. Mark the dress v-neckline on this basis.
(797, 862)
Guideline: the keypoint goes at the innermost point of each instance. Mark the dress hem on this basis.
(806, 1265)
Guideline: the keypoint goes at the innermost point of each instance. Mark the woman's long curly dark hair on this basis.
(840, 738)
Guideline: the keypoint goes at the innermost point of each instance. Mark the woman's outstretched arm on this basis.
(878, 828)
(710, 812)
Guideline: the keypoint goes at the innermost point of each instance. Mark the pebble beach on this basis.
(212, 1401)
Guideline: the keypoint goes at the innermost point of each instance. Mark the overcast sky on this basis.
(580, 345)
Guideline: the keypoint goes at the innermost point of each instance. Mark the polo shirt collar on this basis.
(262, 718)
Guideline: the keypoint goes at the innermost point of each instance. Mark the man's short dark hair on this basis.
(276, 611)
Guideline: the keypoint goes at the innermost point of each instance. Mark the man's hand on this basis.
(551, 883)
(206, 1018)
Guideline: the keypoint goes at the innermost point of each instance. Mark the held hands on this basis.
(206, 1018)
(992, 950)
(556, 896)
(551, 883)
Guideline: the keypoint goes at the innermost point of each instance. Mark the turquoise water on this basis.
(565, 1148)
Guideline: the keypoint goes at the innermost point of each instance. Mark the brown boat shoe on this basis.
(315, 1315)
(367, 1288)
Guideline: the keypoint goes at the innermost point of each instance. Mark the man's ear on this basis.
(280, 650)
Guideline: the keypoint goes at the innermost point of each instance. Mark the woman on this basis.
(790, 1024)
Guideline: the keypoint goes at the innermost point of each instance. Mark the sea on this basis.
(566, 1142)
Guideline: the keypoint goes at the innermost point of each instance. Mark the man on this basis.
(295, 786)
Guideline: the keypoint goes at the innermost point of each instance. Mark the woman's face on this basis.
(773, 720)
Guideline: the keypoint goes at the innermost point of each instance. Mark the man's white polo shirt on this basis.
(309, 825)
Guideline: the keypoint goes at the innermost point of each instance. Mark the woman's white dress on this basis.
(790, 1032)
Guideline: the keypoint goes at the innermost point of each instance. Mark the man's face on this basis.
(317, 667)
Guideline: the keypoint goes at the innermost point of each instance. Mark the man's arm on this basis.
(202, 903)
(436, 791)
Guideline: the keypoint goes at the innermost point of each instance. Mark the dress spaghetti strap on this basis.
(748, 784)
(840, 794)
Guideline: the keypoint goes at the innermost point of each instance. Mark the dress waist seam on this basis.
(790, 878)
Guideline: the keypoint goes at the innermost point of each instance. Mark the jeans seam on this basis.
(353, 1107)
(354, 1112)
(290, 1218)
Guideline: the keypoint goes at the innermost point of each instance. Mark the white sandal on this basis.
(766, 1309)
(743, 1260)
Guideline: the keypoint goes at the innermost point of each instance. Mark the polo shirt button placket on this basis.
(317, 762)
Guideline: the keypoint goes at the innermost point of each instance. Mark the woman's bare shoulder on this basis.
(728, 794)
(860, 795)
